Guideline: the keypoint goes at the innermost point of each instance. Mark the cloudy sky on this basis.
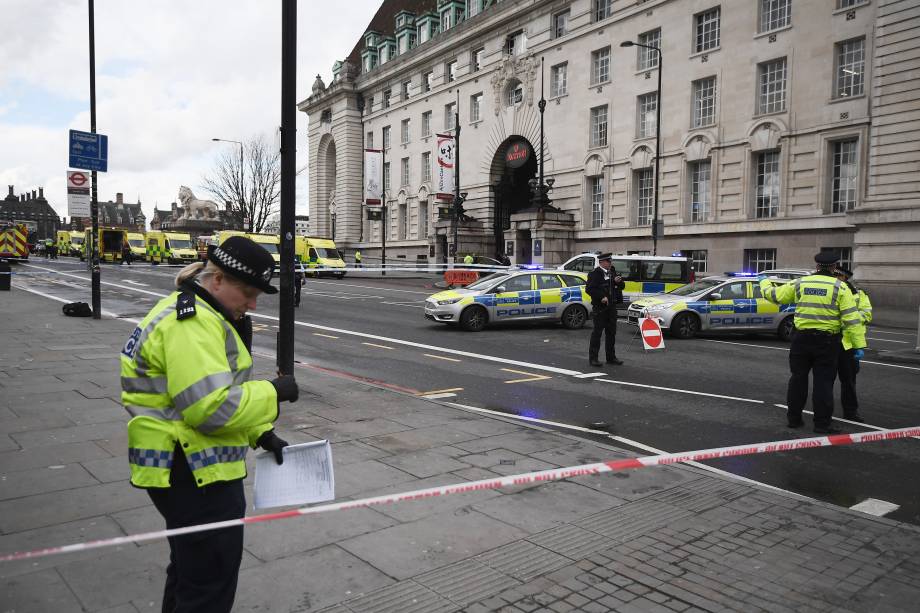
(170, 75)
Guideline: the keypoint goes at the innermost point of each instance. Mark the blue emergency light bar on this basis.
(741, 273)
(530, 267)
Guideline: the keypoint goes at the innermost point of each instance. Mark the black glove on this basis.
(286, 387)
(269, 441)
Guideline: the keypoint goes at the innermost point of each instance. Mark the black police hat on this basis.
(605, 256)
(845, 271)
(245, 260)
(827, 258)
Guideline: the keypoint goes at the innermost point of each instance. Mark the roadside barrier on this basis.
(542, 476)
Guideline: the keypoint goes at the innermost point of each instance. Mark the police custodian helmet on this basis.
(245, 260)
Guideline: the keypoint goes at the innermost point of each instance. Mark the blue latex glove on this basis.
(858, 354)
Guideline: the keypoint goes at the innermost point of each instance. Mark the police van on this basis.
(644, 275)
(514, 296)
(723, 303)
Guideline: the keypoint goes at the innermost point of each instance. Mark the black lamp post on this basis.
(541, 187)
(224, 140)
(656, 229)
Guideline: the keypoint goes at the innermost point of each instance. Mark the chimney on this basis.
(11, 191)
(33, 194)
(22, 197)
(119, 198)
(41, 192)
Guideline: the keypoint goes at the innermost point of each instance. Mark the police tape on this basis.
(537, 477)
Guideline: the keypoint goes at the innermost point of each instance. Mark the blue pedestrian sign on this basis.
(89, 151)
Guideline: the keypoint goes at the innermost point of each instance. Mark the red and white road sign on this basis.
(78, 204)
(651, 333)
(77, 179)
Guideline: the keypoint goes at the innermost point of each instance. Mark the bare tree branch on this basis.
(252, 192)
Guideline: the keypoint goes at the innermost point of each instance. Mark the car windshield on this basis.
(179, 243)
(329, 254)
(695, 287)
(488, 280)
(136, 242)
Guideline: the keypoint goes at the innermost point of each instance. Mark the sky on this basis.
(170, 76)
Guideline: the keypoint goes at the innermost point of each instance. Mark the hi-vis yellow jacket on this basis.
(821, 303)
(185, 379)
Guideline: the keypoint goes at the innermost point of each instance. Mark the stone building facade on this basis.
(33, 209)
(787, 127)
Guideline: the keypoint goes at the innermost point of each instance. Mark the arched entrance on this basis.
(513, 166)
(326, 186)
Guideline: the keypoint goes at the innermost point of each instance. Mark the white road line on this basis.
(441, 357)
(324, 335)
(137, 283)
(897, 333)
(405, 304)
(64, 300)
(890, 365)
(710, 340)
(439, 396)
(376, 345)
(876, 507)
(886, 340)
(681, 391)
(385, 289)
(588, 375)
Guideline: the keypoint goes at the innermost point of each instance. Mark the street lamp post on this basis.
(655, 226)
(224, 140)
(541, 186)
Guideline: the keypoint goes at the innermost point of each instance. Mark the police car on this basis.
(512, 296)
(720, 303)
(643, 275)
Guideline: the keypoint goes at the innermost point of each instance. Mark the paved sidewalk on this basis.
(658, 539)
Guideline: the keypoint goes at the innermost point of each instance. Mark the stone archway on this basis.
(513, 166)
(326, 185)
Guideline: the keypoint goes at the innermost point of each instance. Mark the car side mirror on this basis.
(500, 289)
(715, 296)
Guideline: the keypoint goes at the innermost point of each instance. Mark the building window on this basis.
(775, 14)
(515, 93)
(844, 253)
(404, 172)
(851, 67)
(759, 260)
(404, 131)
(445, 20)
(476, 59)
(476, 107)
(648, 58)
(450, 72)
(427, 81)
(406, 86)
(704, 102)
(772, 93)
(844, 174)
(426, 124)
(647, 106)
(561, 23)
(600, 66)
(450, 119)
(558, 80)
(699, 259)
(845, 4)
(516, 44)
(602, 9)
(700, 175)
(708, 29)
(387, 94)
(370, 104)
(645, 196)
(767, 194)
(369, 141)
(599, 126)
(386, 137)
(402, 230)
(473, 7)
(597, 201)
(386, 177)
(426, 166)
(423, 219)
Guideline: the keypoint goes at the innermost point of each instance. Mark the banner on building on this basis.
(446, 156)
(373, 177)
(78, 198)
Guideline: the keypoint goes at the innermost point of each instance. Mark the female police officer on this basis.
(185, 377)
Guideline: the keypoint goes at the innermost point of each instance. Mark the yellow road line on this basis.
(324, 335)
(376, 345)
(531, 376)
(450, 389)
(440, 357)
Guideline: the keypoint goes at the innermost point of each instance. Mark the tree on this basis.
(252, 193)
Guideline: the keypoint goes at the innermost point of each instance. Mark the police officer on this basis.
(298, 282)
(185, 376)
(468, 259)
(605, 287)
(825, 316)
(357, 259)
(848, 364)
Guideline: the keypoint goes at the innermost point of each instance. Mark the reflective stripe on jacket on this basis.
(821, 303)
(187, 382)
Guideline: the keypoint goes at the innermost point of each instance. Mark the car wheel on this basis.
(684, 325)
(574, 317)
(341, 275)
(785, 328)
(473, 319)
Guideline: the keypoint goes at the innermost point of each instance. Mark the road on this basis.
(707, 392)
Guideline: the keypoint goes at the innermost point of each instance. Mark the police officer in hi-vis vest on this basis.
(186, 382)
(848, 364)
(826, 317)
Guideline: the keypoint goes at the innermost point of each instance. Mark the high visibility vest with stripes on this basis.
(821, 303)
(187, 382)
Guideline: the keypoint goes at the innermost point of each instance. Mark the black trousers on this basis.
(817, 354)
(605, 322)
(847, 367)
(203, 567)
(298, 283)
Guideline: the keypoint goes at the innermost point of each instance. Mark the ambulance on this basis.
(271, 243)
(170, 247)
(14, 242)
(644, 275)
(69, 242)
(76, 244)
(138, 246)
(110, 242)
(321, 254)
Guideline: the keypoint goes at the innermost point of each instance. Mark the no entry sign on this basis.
(651, 333)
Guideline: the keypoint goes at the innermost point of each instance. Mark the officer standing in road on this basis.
(848, 364)
(469, 259)
(824, 308)
(357, 259)
(185, 377)
(605, 287)
(298, 282)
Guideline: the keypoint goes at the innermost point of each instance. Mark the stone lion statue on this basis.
(195, 208)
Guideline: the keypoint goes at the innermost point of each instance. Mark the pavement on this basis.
(675, 538)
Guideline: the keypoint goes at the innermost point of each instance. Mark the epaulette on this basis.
(185, 305)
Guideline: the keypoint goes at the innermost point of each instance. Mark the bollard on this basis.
(5, 275)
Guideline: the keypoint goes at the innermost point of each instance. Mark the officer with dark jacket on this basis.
(605, 287)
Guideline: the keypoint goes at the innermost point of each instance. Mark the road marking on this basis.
(444, 391)
(376, 345)
(588, 375)
(385, 289)
(324, 335)
(898, 333)
(405, 304)
(710, 340)
(439, 396)
(681, 391)
(441, 357)
(886, 340)
(876, 507)
(137, 283)
(531, 376)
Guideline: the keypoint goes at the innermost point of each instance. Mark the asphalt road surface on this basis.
(711, 391)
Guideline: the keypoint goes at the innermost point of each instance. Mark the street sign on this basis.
(89, 151)
(78, 198)
(651, 333)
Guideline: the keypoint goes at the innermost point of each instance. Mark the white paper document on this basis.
(305, 477)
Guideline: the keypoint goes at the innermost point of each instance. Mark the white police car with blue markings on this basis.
(724, 303)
